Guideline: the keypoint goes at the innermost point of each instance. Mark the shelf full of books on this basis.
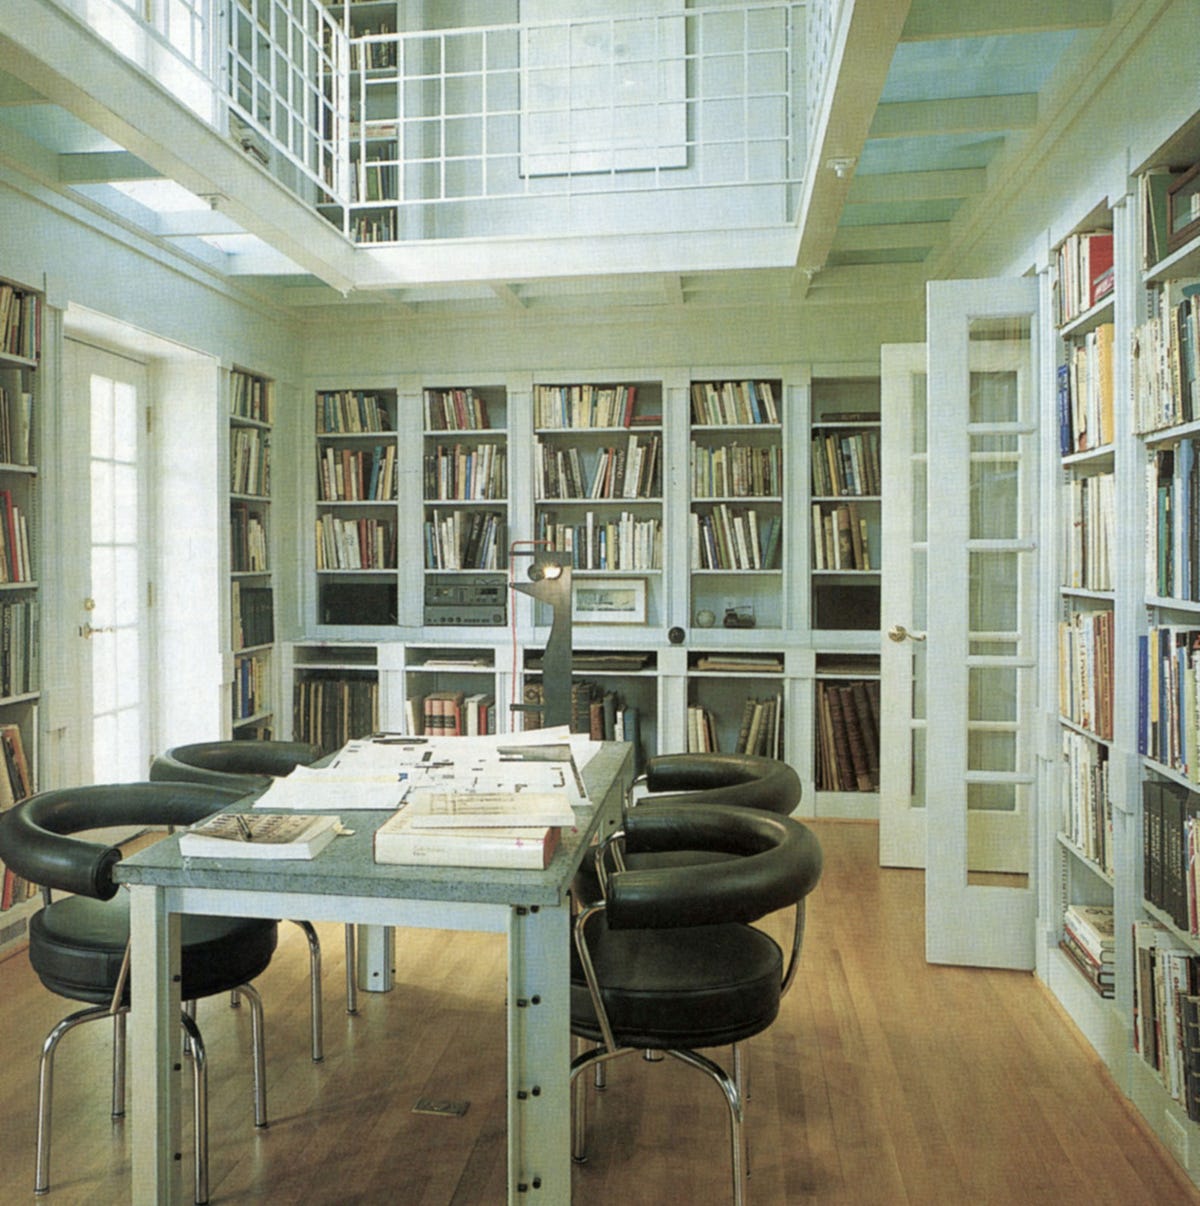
(737, 477)
(846, 718)
(251, 583)
(845, 505)
(335, 692)
(21, 325)
(355, 531)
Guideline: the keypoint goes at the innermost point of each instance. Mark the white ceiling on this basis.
(928, 98)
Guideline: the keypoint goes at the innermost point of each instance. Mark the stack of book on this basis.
(475, 829)
(1089, 941)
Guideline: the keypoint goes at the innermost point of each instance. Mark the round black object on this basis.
(675, 635)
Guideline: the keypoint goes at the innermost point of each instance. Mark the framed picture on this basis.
(613, 601)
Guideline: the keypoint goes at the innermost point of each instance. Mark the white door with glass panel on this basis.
(959, 611)
(107, 523)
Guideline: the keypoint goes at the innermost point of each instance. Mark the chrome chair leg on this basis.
(41, 1182)
(258, 1045)
(351, 970)
(314, 977)
(741, 1078)
(736, 1116)
(118, 1077)
(200, 1110)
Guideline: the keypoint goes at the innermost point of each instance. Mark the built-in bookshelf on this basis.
(451, 691)
(736, 532)
(21, 319)
(335, 691)
(356, 522)
(845, 508)
(735, 701)
(251, 581)
(465, 493)
(598, 459)
(846, 723)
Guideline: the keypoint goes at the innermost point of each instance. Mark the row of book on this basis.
(846, 463)
(463, 471)
(847, 722)
(361, 543)
(332, 707)
(252, 615)
(251, 397)
(251, 685)
(1166, 1029)
(249, 461)
(20, 646)
(16, 783)
(760, 730)
(1085, 273)
(352, 411)
(16, 426)
(374, 179)
(451, 714)
(595, 709)
(1089, 941)
(733, 403)
(248, 552)
(368, 54)
(737, 471)
(1166, 363)
(1168, 722)
(598, 542)
(456, 410)
(734, 538)
(632, 470)
(16, 563)
(556, 406)
(1173, 520)
(1087, 815)
(20, 323)
(374, 226)
(1085, 393)
(1085, 670)
(1170, 813)
(476, 540)
(357, 475)
(841, 538)
(1090, 524)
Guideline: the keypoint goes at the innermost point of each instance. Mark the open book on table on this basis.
(259, 835)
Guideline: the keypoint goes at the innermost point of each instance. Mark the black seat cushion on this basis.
(76, 946)
(701, 987)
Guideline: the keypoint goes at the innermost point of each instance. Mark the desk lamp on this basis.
(551, 584)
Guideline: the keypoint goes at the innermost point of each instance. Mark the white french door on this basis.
(959, 667)
(105, 529)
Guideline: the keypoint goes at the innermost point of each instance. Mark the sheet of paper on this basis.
(306, 793)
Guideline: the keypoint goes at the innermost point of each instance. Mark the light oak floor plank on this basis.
(884, 1081)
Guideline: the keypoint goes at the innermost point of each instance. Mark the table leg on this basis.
(539, 1056)
(156, 1051)
(376, 958)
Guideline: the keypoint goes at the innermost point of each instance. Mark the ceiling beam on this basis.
(104, 167)
(931, 19)
(16, 92)
(889, 237)
(949, 185)
(857, 66)
(960, 115)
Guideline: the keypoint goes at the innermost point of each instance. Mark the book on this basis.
(429, 809)
(274, 835)
(398, 840)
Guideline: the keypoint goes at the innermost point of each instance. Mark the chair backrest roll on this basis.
(775, 862)
(36, 835)
(747, 780)
(245, 765)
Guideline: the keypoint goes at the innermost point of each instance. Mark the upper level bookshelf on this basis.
(251, 581)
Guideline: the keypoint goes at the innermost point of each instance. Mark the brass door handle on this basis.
(898, 633)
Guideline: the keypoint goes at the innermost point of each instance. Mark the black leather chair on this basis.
(747, 780)
(78, 944)
(668, 961)
(249, 766)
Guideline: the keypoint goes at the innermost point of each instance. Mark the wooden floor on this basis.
(884, 1081)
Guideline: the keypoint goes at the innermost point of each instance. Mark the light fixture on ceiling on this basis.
(842, 166)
